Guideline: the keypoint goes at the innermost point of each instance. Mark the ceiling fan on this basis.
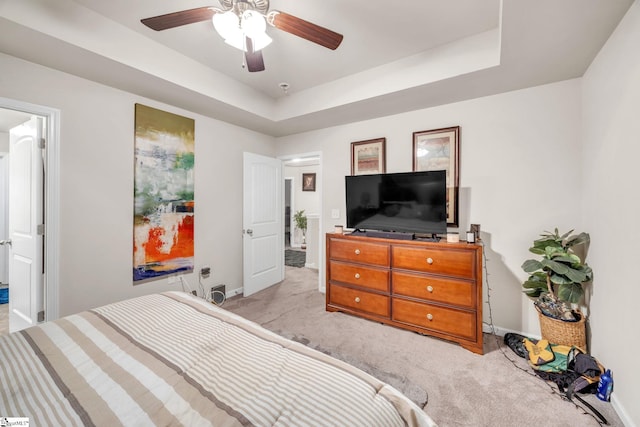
(242, 23)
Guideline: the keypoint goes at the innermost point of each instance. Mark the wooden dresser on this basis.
(434, 288)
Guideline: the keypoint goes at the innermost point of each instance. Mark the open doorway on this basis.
(4, 213)
(302, 197)
(9, 119)
(14, 114)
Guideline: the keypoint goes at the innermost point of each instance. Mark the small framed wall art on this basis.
(368, 157)
(439, 149)
(308, 182)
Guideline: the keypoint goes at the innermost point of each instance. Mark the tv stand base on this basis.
(390, 235)
(427, 238)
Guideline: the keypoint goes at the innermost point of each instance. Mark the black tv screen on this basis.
(411, 202)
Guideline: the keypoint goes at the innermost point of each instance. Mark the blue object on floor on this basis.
(4, 295)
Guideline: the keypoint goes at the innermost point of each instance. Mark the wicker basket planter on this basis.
(565, 333)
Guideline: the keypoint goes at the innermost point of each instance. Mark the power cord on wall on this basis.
(207, 297)
(204, 294)
(185, 285)
(513, 361)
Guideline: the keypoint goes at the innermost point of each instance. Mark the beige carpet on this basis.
(4, 319)
(464, 389)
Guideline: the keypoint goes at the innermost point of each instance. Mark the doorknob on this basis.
(250, 232)
(5, 242)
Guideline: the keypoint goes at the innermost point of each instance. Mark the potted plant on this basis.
(301, 223)
(556, 282)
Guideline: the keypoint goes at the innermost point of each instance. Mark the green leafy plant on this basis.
(561, 272)
(301, 221)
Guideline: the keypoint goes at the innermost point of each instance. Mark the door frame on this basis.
(51, 200)
(321, 241)
(291, 197)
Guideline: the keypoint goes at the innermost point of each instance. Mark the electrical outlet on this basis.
(205, 271)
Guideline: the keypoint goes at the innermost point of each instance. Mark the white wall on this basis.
(519, 172)
(611, 206)
(96, 180)
(4, 142)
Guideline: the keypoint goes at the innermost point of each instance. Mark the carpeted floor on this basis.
(4, 319)
(295, 258)
(464, 389)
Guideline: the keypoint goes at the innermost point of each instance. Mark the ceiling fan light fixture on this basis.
(237, 40)
(227, 24)
(234, 29)
(253, 23)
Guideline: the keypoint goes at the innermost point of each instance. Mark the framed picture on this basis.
(439, 149)
(368, 157)
(308, 182)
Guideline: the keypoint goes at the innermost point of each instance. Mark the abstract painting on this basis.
(163, 193)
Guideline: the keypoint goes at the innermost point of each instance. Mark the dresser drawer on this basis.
(449, 262)
(359, 275)
(359, 300)
(459, 323)
(432, 288)
(361, 252)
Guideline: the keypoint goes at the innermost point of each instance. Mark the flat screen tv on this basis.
(411, 202)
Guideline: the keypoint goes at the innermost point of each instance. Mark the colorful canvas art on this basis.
(163, 193)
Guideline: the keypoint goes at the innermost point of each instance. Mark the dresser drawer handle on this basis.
(429, 288)
(430, 316)
(357, 275)
(357, 251)
(429, 260)
(357, 299)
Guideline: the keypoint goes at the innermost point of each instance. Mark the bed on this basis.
(173, 359)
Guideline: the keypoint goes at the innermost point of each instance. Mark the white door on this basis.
(26, 174)
(4, 216)
(263, 229)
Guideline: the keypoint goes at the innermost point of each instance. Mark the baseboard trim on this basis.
(486, 328)
(622, 413)
(234, 292)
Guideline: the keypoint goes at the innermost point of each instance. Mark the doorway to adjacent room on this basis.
(302, 195)
(24, 305)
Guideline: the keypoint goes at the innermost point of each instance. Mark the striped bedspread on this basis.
(172, 359)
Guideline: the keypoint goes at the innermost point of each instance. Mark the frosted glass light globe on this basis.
(253, 23)
(226, 24)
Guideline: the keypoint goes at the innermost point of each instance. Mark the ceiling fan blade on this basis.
(305, 29)
(177, 19)
(254, 60)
